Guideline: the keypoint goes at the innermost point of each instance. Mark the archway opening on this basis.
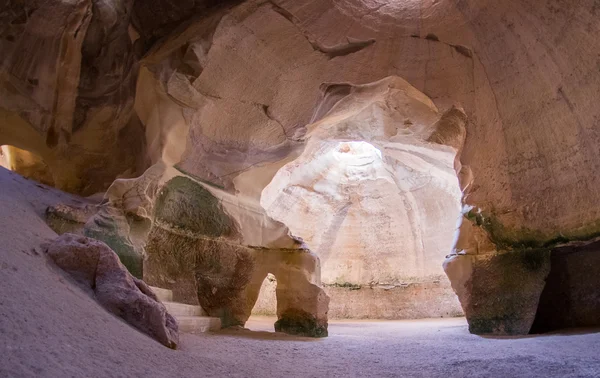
(265, 308)
(381, 224)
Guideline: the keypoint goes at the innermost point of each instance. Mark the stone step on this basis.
(181, 309)
(198, 324)
(163, 295)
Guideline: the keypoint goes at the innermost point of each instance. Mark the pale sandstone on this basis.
(374, 193)
(227, 94)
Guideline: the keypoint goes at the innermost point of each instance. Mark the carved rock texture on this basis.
(67, 85)
(531, 128)
(528, 95)
(499, 292)
(239, 87)
(225, 94)
(374, 192)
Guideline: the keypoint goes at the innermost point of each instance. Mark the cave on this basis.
(299, 188)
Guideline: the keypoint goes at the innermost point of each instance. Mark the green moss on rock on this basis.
(301, 323)
(107, 231)
(345, 285)
(525, 238)
(184, 204)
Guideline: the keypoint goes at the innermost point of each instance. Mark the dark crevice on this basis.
(461, 49)
(432, 37)
(570, 298)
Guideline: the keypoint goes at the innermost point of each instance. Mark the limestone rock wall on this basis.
(524, 74)
(225, 92)
(508, 65)
(67, 87)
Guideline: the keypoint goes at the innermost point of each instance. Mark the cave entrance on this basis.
(381, 218)
(25, 163)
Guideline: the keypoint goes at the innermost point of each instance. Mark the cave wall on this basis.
(525, 75)
(529, 140)
(67, 87)
(225, 93)
(266, 64)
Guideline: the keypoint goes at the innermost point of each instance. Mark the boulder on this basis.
(499, 292)
(104, 222)
(94, 265)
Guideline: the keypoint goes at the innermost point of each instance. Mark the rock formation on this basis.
(196, 249)
(94, 265)
(186, 240)
(374, 193)
(67, 86)
(482, 105)
(499, 292)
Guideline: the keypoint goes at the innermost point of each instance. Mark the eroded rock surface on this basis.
(500, 292)
(94, 265)
(225, 94)
(375, 192)
(243, 83)
(67, 85)
(196, 248)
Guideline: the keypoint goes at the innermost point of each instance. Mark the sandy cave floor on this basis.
(49, 327)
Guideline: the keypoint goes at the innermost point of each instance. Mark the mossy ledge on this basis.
(345, 285)
(300, 323)
(507, 239)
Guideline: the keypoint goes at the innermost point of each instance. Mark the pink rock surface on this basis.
(94, 264)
